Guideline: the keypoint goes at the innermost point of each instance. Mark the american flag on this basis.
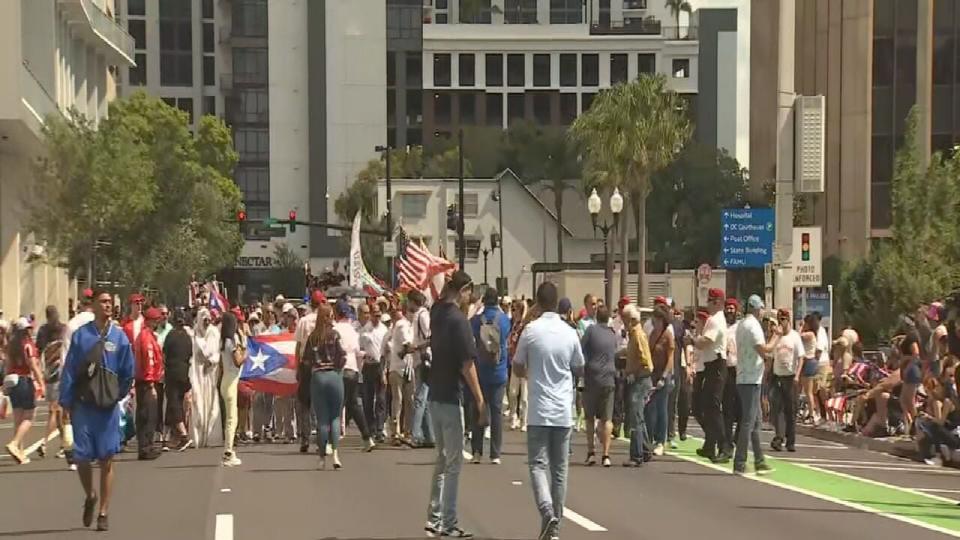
(416, 265)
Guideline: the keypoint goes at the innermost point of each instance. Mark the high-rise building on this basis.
(54, 55)
(873, 60)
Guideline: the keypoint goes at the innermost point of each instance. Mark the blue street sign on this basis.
(746, 237)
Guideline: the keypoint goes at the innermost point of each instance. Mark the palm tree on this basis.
(677, 6)
(630, 132)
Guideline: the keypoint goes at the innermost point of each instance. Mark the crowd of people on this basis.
(453, 375)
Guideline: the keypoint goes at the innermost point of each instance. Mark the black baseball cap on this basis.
(460, 280)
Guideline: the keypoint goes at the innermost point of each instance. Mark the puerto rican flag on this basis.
(217, 300)
(271, 364)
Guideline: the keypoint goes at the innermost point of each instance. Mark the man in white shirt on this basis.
(731, 400)
(787, 357)
(711, 348)
(372, 334)
(751, 350)
(400, 377)
(350, 341)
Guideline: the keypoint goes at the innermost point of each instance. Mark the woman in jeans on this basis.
(327, 357)
(233, 346)
(662, 347)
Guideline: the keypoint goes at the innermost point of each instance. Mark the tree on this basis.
(157, 198)
(686, 203)
(676, 7)
(630, 132)
(544, 154)
(919, 262)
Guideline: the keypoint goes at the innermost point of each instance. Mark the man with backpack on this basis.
(97, 372)
(491, 329)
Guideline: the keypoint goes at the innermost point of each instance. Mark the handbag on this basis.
(97, 386)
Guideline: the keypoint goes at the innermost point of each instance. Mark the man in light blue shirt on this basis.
(549, 355)
(751, 349)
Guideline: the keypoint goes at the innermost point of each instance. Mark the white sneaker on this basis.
(524, 428)
(72, 467)
(329, 449)
(658, 450)
(230, 459)
(514, 425)
(486, 433)
(467, 456)
(496, 461)
(369, 445)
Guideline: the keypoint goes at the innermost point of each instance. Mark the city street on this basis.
(825, 490)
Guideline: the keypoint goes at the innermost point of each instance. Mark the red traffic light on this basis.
(241, 215)
(293, 215)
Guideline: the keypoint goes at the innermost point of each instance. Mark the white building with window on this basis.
(529, 227)
(54, 55)
(544, 60)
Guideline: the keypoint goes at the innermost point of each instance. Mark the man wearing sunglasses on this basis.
(787, 355)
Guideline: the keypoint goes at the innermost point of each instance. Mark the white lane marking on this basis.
(822, 446)
(225, 490)
(908, 463)
(517, 483)
(582, 521)
(224, 527)
(933, 470)
(934, 490)
(834, 500)
(878, 484)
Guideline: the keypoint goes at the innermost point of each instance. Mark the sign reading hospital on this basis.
(746, 237)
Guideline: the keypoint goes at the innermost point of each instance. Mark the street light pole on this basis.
(462, 251)
(594, 205)
(389, 231)
(486, 253)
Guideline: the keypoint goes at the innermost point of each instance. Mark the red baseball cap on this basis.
(317, 298)
(152, 314)
(660, 300)
(623, 302)
(715, 294)
(135, 297)
(88, 293)
(703, 314)
(732, 302)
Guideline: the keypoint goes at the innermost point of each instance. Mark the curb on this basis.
(905, 449)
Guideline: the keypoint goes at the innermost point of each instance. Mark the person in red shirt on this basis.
(133, 324)
(22, 382)
(148, 358)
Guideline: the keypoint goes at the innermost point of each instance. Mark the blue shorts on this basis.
(23, 396)
(911, 373)
(811, 366)
(96, 433)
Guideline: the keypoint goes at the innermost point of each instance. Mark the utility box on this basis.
(810, 113)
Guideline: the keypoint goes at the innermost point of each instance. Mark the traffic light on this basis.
(805, 246)
(494, 240)
(453, 220)
(293, 221)
(242, 220)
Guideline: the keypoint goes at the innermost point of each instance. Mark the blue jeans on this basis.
(493, 400)
(656, 412)
(637, 393)
(326, 396)
(422, 428)
(448, 428)
(548, 448)
(750, 417)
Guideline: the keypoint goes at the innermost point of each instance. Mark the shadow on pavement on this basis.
(16, 534)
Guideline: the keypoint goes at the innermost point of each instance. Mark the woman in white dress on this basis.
(205, 425)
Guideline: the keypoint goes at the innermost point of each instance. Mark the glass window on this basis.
(494, 69)
(472, 244)
(516, 70)
(207, 37)
(176, 43)
(442, 18)
(516, 107)
(618, 68)
(590, 70)
(943, 17)
(136, 7)
(495, 110)
(568, 70)
(881, 214)
(520, 12)
(566, 11)
(176, 69)
(250, 18)
(587, 99)
(414, 205)
(471, 205)
(441, 4)
(442, 108)
(210, 105)
(414, 136)
(209, 71)
(175, 9)
(944, 58)
(138, 30)
(441, 70)
(414, 69)
(391, 106)
(254, 182)
(254, 106)
(881, 159)
(186, 105)
(250, 65)
(391, 68)
(206, 9)
(568, 108)
(467, 71)
(172, 102)
(138, 73)
(883, 17)
(475, 12)
(541, 109)
(468, 109)
(541, 70)
(646, 63)
(883, 62)
(253, 145)
(942, 109)
(882, 110)
(681, 68)
(414, 107)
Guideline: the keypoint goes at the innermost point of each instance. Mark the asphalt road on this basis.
(277, 493)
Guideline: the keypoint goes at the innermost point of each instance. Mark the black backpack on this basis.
(96, 385)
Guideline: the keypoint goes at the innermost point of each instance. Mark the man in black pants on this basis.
(711, 347)
(148, 372)
(372, 334)
(679, 405)
(731, 400)
(787, 357)
(352, 381)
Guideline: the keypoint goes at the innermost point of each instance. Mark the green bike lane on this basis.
(896, 502)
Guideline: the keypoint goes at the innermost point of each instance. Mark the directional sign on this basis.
(747, 237)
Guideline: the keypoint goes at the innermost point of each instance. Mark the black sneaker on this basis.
(550, 530)
(304, 448)
(89, 505)
(776, 444)
(149, 455)
(722, 459)
(456, 532)
(591, 459)
(102, 524)
(185, 444)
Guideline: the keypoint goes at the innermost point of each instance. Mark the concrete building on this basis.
(54, 55)
(873, 60)
(529, 227)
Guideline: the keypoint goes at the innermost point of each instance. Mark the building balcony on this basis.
(637, 27)
(681, 33)
(634, 5)
(97, 27)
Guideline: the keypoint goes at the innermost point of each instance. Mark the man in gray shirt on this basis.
(599, 346)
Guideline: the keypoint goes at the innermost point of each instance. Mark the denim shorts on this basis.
(23, 395)
(911, 373)
(811, 367)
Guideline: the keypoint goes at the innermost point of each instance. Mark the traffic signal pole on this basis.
(462, 251)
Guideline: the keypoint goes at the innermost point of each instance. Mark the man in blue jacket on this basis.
(491, 328)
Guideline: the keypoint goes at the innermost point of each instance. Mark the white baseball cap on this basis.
(22, 323)
(287, 308)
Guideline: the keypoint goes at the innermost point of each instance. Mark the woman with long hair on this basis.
(810, 366)
(911, 374)
(662, 347)
(327, 358)
(22, 379)
(205, 413)
(233, 347)
(517, 391)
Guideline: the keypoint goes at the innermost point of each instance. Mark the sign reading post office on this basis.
(807, 257)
